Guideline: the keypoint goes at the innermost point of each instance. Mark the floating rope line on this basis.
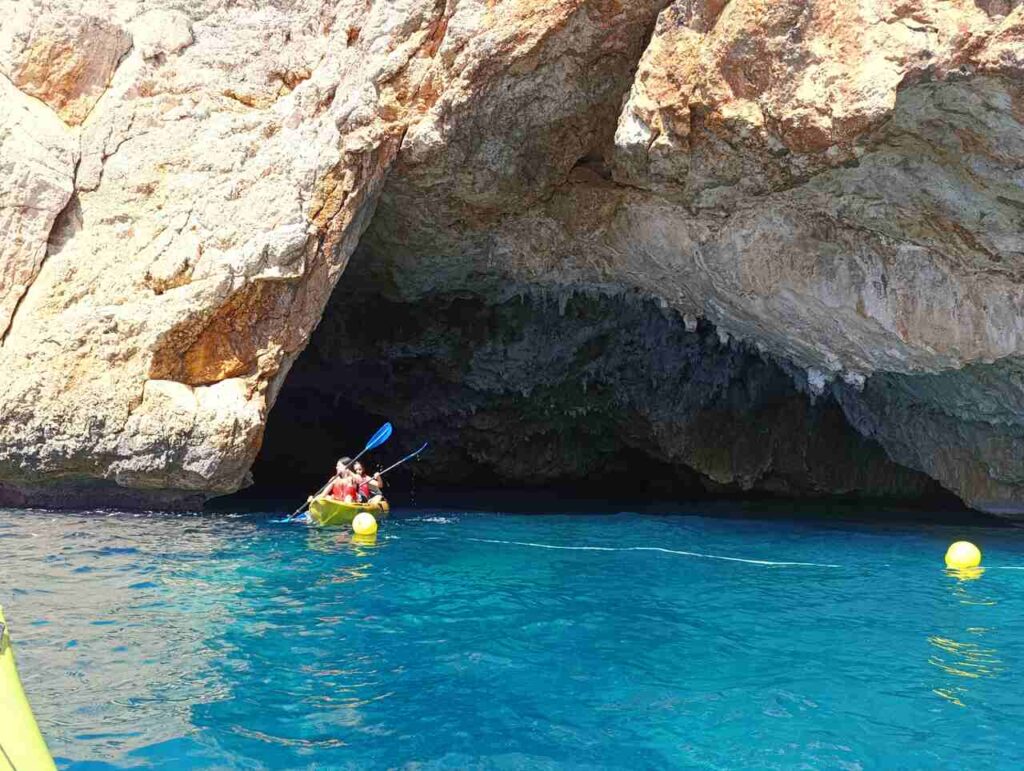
(659, 549)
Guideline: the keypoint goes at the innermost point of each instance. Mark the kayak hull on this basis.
(22, 743)
(328, 512)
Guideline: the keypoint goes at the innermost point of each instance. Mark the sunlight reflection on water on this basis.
(458, 639)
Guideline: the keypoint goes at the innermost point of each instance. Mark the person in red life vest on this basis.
(371, 489)
(344, 486)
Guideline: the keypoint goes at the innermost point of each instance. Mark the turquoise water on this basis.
(514, 641)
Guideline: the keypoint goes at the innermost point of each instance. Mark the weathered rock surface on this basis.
(227, 162)
(837, 185)
(37, 163)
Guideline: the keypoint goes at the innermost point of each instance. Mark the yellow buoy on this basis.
(963, 554)
(364, 524)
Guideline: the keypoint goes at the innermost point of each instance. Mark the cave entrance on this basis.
(573, 395)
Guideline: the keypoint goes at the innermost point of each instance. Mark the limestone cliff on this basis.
(834, 189)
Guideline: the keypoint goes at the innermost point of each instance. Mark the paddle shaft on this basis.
(322, 490)
(318, 493)
(410, 456)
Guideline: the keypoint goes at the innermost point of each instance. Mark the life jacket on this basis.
(364, 489)
(344, 491)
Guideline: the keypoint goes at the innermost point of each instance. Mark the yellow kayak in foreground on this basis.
(328, 512)
(21, 745)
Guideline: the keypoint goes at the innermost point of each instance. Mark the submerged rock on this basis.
(833, 186)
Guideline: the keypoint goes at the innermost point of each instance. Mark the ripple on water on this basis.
(462, 639)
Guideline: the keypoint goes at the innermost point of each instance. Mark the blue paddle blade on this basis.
(379, 438)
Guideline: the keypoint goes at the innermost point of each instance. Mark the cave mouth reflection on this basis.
(580, 395)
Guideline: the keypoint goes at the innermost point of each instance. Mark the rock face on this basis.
(823, 200)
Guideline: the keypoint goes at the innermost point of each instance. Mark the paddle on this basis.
(375, 441)
(410, 456)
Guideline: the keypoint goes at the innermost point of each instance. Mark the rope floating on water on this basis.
(659, 549)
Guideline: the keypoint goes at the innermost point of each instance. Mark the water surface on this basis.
(514, 641)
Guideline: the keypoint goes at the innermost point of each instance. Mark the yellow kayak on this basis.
(21, 745)
(328, 512)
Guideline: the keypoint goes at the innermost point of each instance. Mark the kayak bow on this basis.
(22, 747)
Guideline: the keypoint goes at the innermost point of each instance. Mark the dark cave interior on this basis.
(564, 395)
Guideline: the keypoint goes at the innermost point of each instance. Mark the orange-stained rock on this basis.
(66, 60)
(762, 94)
(228, 159)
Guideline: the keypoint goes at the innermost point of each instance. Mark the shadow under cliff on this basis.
(588, 396)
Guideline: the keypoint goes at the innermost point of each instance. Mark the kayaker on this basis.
(371, 489)
(344, 485)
